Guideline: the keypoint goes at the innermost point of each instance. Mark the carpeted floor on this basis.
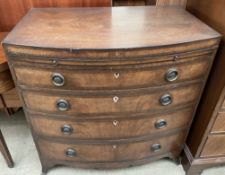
(22, 148)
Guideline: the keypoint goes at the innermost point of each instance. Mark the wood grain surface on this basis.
(98, 47)
(3, 62)
(95, 32)
(112, 128)
(223, 105)
(219, 125)
(181, 3)
(11, 11)
(12, 99)
(126, 77)
(214, 146)
(110, 152)
(6, 82)
(95, 103)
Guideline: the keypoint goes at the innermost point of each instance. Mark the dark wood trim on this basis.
(189, 59)
(118, 141)
(5, 152)
(105, 93)
(109, 165)
(13, 51)
(109, 115)
(8, 111)
(195, 166)
(98, 117)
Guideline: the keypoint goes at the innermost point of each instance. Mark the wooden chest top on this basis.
(108, 28)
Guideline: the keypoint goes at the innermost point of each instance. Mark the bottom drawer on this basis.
(215, 146)
(110, 152)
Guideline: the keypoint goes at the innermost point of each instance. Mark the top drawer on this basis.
(109, 77)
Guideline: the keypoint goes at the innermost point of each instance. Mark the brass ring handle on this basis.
(66, 129)
(165, 100)
(155, 147)
(171, 75)
(160, 124)
(70, 152)
(58, 79)
(62, 105)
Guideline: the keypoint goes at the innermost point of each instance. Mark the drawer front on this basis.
(110, 152)
(215, 146)
(223, 105)
(219, 125)
(95, 104)
(111, 128)
(110, 78)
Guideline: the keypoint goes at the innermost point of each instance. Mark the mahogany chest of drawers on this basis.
(110, 87)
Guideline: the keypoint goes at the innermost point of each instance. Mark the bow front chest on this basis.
(109, 87)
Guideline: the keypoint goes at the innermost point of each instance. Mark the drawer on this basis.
(223, 105)
(111, 78)
(96, 103)
(219, 125)
(214, 146)
(111, 128)
(110, 152)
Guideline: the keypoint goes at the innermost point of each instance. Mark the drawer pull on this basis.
(115, 122)
(117, 75)
(155, 147)
(171, 75)
(115, 99)
(66, 129)
(165, 100)
(54, 61)
(160, 124)
(62, 105)
(114, 146)
(58, 79)
(175, 58)
(70, 152)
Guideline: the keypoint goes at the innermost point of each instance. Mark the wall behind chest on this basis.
(11, 11)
